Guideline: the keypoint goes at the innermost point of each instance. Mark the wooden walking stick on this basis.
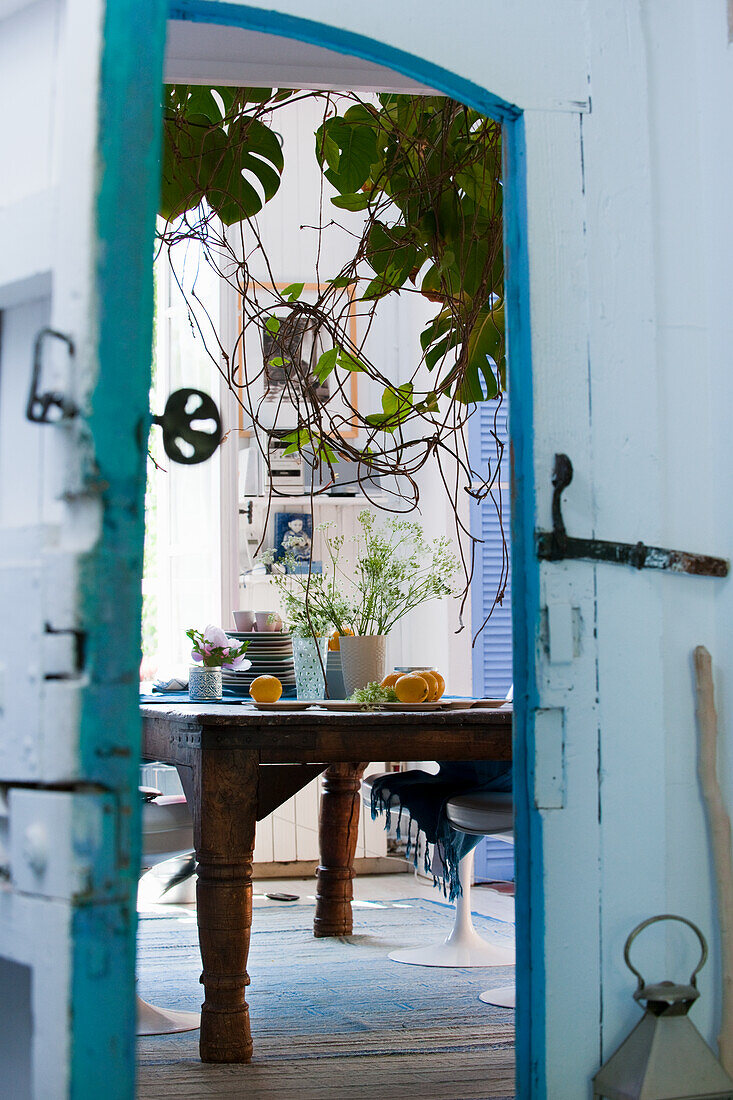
(720, 833)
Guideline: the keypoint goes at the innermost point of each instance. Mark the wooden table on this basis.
(237, 765)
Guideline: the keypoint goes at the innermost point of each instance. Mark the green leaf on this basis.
(297, 440)
(342, 281)
(437, 327)
(357, 146)
(181, 167)
(359, 201)
(276, 361)
(326, 363)
(441, 286)
(254, 137)
(323, 451)
(327, 151)
(272, 324)
(292, 291)
(378, 288)
(200, 101)
(485, 345)
(381, 420)
(397, 404)
(228, 193)
(349, 362)
(440, 349)
(254, 95)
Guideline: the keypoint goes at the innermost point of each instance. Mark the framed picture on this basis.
(293, 537)
(294, 348)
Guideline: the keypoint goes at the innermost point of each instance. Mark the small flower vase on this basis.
(363, 660)
(204, 684)
(309, 681)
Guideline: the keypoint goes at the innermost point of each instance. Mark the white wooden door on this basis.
(74, 268)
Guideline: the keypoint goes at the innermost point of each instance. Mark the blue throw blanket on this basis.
(423, 797)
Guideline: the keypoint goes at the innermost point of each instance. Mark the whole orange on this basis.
(432, 680)
(266, 689)
(441, 683)
(334, 643)
(411, 688)
(391, 679)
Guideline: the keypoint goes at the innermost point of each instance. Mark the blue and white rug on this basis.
(338, 993)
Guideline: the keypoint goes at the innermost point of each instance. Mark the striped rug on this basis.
(334, 1017)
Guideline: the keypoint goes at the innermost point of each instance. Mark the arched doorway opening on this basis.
(197, 34)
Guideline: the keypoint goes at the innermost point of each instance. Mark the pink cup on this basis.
(268, 622)
(244, 621)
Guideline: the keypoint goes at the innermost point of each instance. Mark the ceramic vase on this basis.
(204, 684)
(309, 660)
(334, 676)
(363, 660)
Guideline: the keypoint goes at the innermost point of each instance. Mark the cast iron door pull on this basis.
(557, 545)
(185, 409)
(38, 409)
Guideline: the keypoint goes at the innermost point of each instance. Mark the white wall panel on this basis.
(534, 53)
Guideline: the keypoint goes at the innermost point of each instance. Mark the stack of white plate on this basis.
(271, 654)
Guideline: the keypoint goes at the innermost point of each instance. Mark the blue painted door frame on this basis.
(132, 70)
(117, 421)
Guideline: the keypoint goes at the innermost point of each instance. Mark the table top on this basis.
(332, 736)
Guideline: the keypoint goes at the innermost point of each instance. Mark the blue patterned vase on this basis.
(309, 679)
(204, 684)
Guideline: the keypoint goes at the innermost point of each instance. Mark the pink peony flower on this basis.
(237, 663)
(216, 636)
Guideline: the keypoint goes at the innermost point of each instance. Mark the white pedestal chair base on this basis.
(504, 996)
(167, 831)
(464, 946)
(164, 1021)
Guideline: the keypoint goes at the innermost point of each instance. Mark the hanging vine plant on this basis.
(418, 180)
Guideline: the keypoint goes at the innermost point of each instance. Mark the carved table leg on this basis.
(338, 829)
(225, 808)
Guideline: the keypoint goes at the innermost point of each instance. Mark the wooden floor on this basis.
(290, 1075)
(455, 1063)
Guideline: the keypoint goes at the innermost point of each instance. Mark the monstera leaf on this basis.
(214, 149)
(437, 163)
(485, 363)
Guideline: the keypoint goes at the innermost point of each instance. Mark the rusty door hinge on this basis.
(557, 545)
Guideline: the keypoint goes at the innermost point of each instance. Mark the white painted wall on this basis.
(630, 275)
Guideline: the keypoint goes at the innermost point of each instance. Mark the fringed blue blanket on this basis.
(423, 797)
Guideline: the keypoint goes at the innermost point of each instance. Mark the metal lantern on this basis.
(664, 1057)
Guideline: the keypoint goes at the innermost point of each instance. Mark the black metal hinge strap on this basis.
(557, 545)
